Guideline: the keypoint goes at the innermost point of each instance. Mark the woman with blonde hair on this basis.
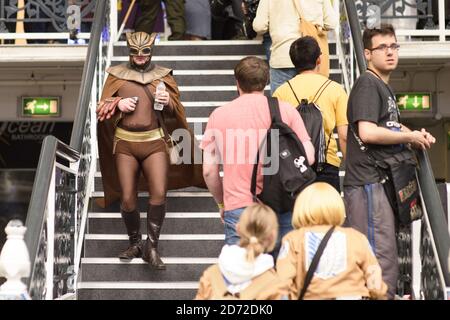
(347, 268)
(246, 271)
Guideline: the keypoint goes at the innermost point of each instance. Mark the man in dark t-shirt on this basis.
(374, 117)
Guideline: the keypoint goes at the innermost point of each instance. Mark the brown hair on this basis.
(258, 230)
(384, 30)
(318, 204)
(252, 73)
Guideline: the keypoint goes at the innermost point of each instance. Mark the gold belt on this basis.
(141, 136)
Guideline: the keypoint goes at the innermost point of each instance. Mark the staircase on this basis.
(192, 234)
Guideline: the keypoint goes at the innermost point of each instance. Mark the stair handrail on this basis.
(39, 210)
(55, 257)
(340, 42)
(437, 228)
(433, 224)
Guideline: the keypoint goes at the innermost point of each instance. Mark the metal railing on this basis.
(57, 212)
(423, 247)
(49, 19)
(411, 18)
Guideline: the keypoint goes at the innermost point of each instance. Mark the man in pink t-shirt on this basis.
(232, 137)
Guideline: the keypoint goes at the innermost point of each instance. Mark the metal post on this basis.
(441, 10)
(113, 19)
(355, 28)
(416, 260)
(49, 265)
(448, 208)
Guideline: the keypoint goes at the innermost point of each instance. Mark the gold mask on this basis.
(141, 43)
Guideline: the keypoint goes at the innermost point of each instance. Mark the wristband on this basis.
(221, 205)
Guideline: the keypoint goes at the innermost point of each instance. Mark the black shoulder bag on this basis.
(399, 180)
(315, 262)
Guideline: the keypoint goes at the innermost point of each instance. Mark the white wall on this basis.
(39, 81)
(10, 95)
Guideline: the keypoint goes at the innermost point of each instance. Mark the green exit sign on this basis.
(40, 107)
(414, 101)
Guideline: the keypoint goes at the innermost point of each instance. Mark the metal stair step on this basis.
(118, 290)
(217, 47)
(174, 223)
(113, 269)
(205, 48)
(186, 245)
(174, 204)
(193, 65)
(189, 64)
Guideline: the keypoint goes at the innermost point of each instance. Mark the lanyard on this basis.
(389, 89)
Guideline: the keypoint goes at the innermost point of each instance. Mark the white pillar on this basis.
(14, 263)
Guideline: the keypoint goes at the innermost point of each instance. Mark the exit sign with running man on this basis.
(414, 101)
(40, 107)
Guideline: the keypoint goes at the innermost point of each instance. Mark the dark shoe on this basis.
(132, 223)
(151, 256)
(133, 251)
(155, 219)
(176, 36)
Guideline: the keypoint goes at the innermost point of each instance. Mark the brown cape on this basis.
(180, 176)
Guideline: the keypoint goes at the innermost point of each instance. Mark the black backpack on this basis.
(294, 173)
(313, 120)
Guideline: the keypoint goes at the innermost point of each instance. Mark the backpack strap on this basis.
(292, 89)
(274, 109)
(321, 90)
(275, 116)
(314, 100)
(315, 262)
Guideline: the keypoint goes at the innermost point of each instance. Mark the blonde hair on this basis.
(258, 230)
(318, 204)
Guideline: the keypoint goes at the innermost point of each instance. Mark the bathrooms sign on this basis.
(20, 141)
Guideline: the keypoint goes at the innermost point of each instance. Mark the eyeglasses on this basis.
(385, 47)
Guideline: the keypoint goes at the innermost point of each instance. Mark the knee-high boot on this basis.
(155, 219)
(132, 222)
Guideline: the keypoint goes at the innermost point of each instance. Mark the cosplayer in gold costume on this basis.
(131, 141)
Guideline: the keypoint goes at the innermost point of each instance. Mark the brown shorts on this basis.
(140, 150)
(139, 145)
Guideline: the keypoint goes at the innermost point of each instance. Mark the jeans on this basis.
(280, 76)
(284, 226)
(267, 43)
(231, 218)
(368, 211)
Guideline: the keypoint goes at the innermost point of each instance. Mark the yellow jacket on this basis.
(347, 268)
(266, 286)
